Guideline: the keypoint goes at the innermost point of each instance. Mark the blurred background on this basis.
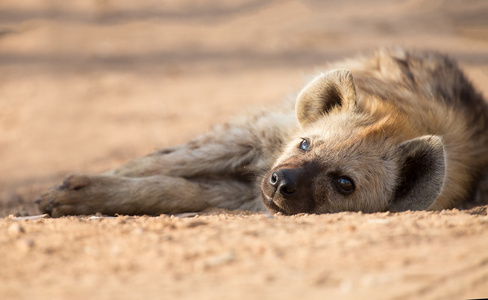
(87, 85)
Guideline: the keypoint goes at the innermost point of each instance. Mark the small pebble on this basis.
(15, 230)
(36, 217)
(221, 259)
(138, 231)
(186, 215)
(25, 245)
(195, 224)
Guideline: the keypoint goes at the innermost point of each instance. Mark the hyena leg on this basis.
(204, 156)
(249, 147)
(152, 195)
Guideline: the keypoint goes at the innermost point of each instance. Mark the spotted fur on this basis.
(403, 129)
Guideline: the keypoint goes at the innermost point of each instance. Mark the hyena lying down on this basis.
(395, 130)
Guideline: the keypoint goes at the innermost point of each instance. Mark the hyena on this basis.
(393, 130)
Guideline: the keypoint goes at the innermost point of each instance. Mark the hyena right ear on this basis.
(422, 174)
(332, 90)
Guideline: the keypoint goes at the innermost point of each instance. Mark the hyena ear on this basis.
(334, 89)
(422, 174)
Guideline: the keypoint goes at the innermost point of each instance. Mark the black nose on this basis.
(285, 182)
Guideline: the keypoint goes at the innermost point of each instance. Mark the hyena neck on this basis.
(386, 120)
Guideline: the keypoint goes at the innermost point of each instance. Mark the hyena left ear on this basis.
(422, 174)
(334, 89)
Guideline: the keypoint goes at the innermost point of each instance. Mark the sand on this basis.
(88, 85)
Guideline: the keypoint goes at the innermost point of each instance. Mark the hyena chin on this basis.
(395, 130)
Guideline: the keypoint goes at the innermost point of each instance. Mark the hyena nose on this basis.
(285, 182)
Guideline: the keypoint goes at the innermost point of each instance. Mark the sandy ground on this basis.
(88, 85)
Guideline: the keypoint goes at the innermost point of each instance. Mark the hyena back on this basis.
(394, 130)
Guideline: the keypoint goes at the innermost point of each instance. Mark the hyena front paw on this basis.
(72, 197)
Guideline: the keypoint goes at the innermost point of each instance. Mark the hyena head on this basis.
(351, 157)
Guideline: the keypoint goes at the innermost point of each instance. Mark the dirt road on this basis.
(88, 85)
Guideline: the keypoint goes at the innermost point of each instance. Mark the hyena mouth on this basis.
(271, 206)
(268, 200)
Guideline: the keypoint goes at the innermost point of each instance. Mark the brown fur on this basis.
(406, 128)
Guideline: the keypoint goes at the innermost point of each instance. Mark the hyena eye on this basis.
(304, 145)
(345, 185)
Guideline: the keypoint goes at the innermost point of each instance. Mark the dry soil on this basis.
(88, 85)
